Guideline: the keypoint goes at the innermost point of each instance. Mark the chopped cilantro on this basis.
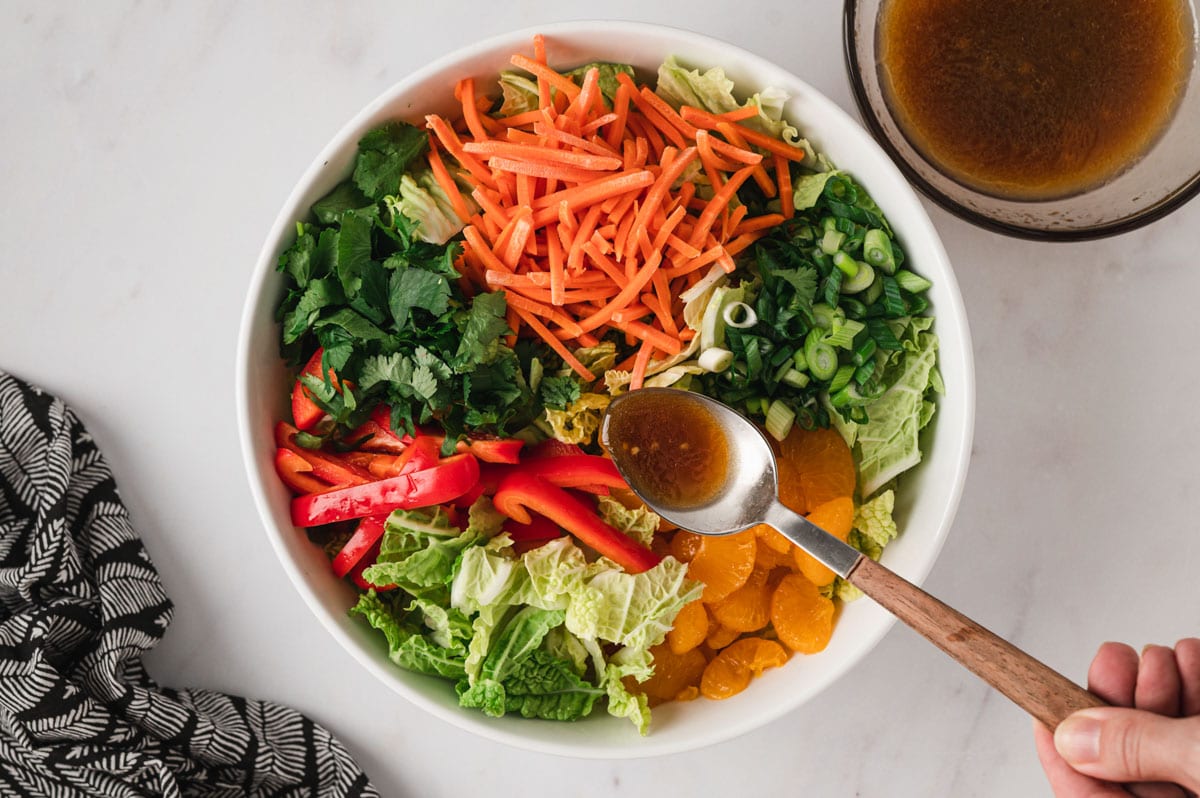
(386, 307)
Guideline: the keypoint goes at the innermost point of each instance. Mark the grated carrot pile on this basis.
(588, 215)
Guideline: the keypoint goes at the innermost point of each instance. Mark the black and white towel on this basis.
(80, 602)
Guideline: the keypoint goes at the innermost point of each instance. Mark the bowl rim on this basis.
(379, 666)
(850, 51)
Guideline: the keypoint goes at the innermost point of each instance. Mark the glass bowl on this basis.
(1165, 176)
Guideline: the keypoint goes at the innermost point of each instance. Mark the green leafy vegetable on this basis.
(427, 206)
(384, 154)
(608, 76)
(373, 282)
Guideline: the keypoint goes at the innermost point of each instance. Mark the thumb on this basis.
(1131, 745)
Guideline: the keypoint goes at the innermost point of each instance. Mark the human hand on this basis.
(1157, 741)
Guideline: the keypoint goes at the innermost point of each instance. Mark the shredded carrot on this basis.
(747, 112)
(542, 154)
(466, 88)
(758, 172)
(447, 184)
(783, 176)
(640, 363)
(555, 344)
(706, 120)
(759, 223)
(561, 83)
(719, 202)
(587, 216)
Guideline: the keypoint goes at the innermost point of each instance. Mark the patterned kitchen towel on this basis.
(79, 603)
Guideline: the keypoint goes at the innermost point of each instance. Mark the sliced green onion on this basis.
(917, 305)
(781, 355)
(841, 378)
(798, 360)
(821, 358)
(833, 287)
(831, 242)
(854, 309)
(715, 359)
(307, 440)
(780, 418)
(873, 292)
(731, 311)
(860, 280)
(825, 315)
(913, 283)
(858, 415)
(883, 335)
(795, 378)
(865, 351)
(893, 303)
(846, 264)
(829, 223)
(818, 257)
(842, 335)
(877, 250)
(864, 372)
(754, 406)
(535, 374)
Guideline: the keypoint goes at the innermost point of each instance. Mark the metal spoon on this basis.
(750, 497)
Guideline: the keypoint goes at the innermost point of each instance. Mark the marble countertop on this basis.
(145, 150)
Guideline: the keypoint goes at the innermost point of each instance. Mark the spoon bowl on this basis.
(748, 496)
(751, 483)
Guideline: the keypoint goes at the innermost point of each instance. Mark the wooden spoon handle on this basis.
(1041, 691)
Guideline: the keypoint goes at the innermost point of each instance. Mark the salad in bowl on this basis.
(454, 311)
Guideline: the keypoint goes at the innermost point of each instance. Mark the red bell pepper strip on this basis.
(520, 492)
(368, 533)
(443, 483)
(297, 473)
(539, 529)
(586, 471)
(529, 536)
(495, 450)
(423, 452)
(305, 412)
(356, 573)
(370, 437)
(470, 497)
(333, 469)
(553, 447)
(382, 438)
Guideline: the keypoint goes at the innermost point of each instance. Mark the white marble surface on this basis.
(145, 149)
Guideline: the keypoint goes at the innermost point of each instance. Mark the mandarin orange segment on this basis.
(837, 518)
(748, 608)
(802, 617)
(720, 636)
(690, 628)
(768, 558)
(723, 563)
(673, 673)
(772, 538)
(814, 466)
(731, 670)
(684, 545)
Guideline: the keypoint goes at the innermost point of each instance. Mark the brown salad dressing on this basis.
(674, 452)
(1034, 99)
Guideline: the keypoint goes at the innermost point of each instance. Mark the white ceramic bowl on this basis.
(927, 501)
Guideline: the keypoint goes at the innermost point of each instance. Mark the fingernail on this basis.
(1078, 740)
